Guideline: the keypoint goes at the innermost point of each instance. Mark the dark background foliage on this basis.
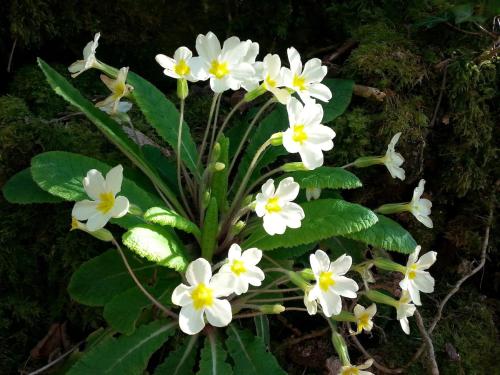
(430, 58)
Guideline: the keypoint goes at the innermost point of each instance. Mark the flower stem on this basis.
(207, 128)
(179, 160)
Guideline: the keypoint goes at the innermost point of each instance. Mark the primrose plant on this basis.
(219, 232)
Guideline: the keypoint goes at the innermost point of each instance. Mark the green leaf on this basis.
(326, 178)
(21, 189)
(342, 93)
(340, 245)
(324, 218)
(156, 244)
(61, 174)
(274, 122)
(209, 230)
(126, 355)
(386, 234)
(164, 166)
(166, 217)
(181, 360)
(249, 354)
(463, 12)
(124, 309)
(99, 279)
(106, 125)
(213, 358)
(162, 115)
(262, 329)
(220, 179)
(292, 252)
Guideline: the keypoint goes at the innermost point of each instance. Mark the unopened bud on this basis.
(218, 166)
(135, 210)
(216, 152)
(392, 208)
(389, 265)
(271, 309)
(277, 139)
(182, 88)
(307, 274)
(206, 198)
(292, 167)
(379, 297)
(251, 95)
(102, 234)
(366, 161)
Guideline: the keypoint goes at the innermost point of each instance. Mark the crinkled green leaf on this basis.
(262, 329)
(125, 355)
(181, 360)
(156, 244)
(165, 217)
(324, 218)
(249, 354)
(386, 234)
(162, 115)
(341, 97)
(213, 358)
(101, 278)
(21, 189)
(326, 178)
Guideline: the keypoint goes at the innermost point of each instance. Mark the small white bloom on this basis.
(393, 160)
(357, 370)
(227, 67)
(105, 204)
(306, 135)
(270, 72)
(119, 89)
(121, 108)
(179, 66)
(201, 298)
(416, 278)
(330, 282)
(306, 82)
(310, 303)
(421, 207)
(277, 208)
(241, 269)
(313, 193)
(364, 317)
(89, 61)
(405, 309)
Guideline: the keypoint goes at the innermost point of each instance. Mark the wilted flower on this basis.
(306, 135)
(277, 208)
(357, 370)
(89, 61)
(421, 207)
(119, 89)
(241, 269)
(313, 193)
(364, 317)
(416, 278)
(227, 67)
(179, 66)
(105, 204)
(405, 309)
(201, 298)
(330, 282)
(310, 302)
(393, 160)
(306, 82)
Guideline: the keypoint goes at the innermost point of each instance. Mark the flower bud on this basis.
(366, 161)
(255, 93)
(216, 152)
(135, 210)
(218, 166)
(292, 167)
(102, 234)
(271, 309)
(389, 265)
(392, 208)
(182, 88)
(341, 348)
(307, 274)
(298, 280)
(238, 227)
(277, 139)
(206, 198)
(379, 297)
(344, 316)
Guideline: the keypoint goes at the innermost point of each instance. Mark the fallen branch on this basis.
(433, 367)
(369, 92)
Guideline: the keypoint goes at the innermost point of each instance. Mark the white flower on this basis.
(119, 89)
(416, 278)
(227, 67)
(277, 208)
(306, 82)
(306, 135)
(355, 370)
(89, 61)
(330, 282)
(241, 269)
(179, 66)
(313, 193)
(310, 303)
(393, 160)
(272, 74)
(421, 207)
(121, 107)
(405, 309)
(200, 299)
(364, 317)
(105, 204)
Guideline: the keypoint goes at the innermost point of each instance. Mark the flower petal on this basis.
(427, 260)
(288, 189)
(114, 179)
(191, 320)
(222, 284)
(97, 221)
(341, 265)
(331, 303)
(345, 287)
(234, 252)
(120, 207)
(198, 272)
(294, 59)
(181, 296)
(320, 262)
(219, 314)
(94, 184)
(252, 256)
(84, 209)
(320, 91)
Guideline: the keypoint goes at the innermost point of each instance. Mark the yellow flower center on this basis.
(181, 68)
(202, 296)
(120, 90)
(412, 274)
(299, 135)
(326, 280)
(238, 267)
(106, 202)
(270, 82)
(218, 68)
(299, 82)
(363, 321)
(350, 371)
(273, 205)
